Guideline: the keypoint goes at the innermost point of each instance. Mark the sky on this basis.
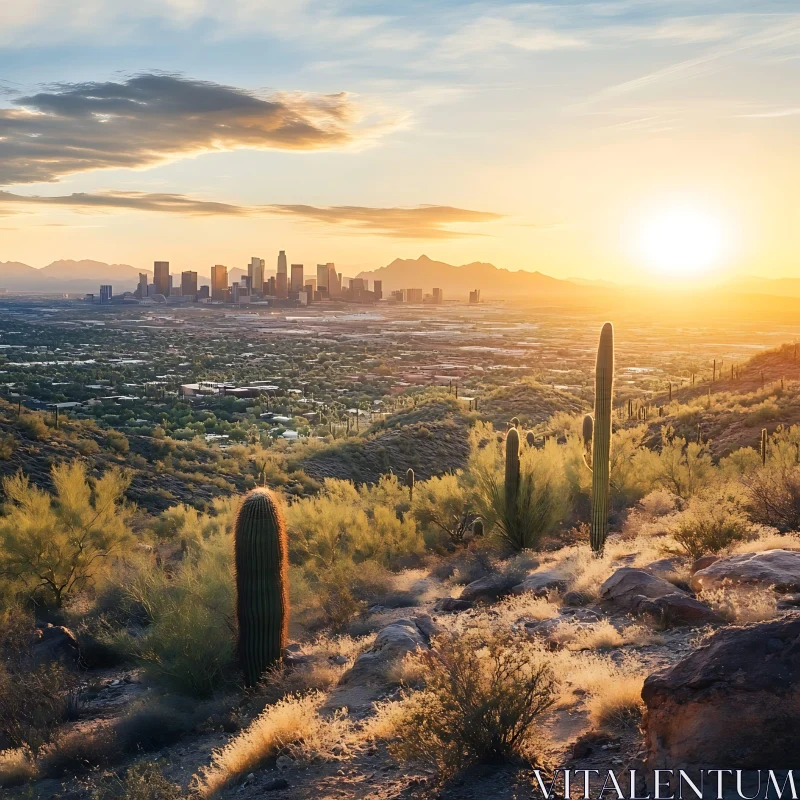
(624, 140)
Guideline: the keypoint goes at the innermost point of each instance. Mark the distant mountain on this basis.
(777, 287)
(67, 276)
(456, 282)
(89, 270)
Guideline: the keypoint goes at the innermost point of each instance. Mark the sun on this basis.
(682, 242)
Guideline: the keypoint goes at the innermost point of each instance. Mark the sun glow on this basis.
(682, 242)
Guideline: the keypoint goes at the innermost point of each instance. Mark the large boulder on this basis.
(489, 589)
(541, 583)
(55, 643)
(368, 679)
(628, 586)
(771, 568)
(677, 608)
(733, 701)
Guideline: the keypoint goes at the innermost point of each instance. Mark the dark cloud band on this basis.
(420, 222)
(152, 118)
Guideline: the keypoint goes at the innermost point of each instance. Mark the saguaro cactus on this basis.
(262, 583)
(477, 527)
(512, 471)
(410, 484)
(530, 438)
(601, 438)
(514, 422)
(763, 446)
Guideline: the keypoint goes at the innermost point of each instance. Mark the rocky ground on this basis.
(711, 683)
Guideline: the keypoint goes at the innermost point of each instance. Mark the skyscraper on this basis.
(189, 284)
(161, 277)
(334, 282)
(105, 294)
(281, 286)
(142, 284)
(438, 296)
(297, 278)
(255, 273)
(413, 295)
(219, 282)
(282, 262)
(377, 288)
(475, 296)
(322, 277)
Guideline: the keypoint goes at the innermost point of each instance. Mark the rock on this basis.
(540, 583)
(55, 643)
(702, 563)
(677, 609)
(664, 567)
(338, 660)
(576, 599)
(625, 588)
(275, 784)
(771, 568)
(426, 626)
(734, 700)
(452, 604)
(789, 601)
(588, 741)
(488, 589)
(284, 762)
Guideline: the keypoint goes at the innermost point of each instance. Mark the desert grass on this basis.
(769, 539)
(16, 766)
(602, 635)
(292, 727)
(742, 604)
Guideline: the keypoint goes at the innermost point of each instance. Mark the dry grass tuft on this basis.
(741, 604)
(16, 766)
(292, 726)
(769, 539)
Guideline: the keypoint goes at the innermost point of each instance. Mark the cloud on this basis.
(420, 222)
(152, 118)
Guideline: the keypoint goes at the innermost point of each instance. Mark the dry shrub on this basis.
(742, 604)
(711, 523)
(524, 606)
(16, 766)
(291, 726)
(34, 698)
(81, 751)
(142, 781)
(484, 692)
(658, 503)
(769, 539)
(612, 691)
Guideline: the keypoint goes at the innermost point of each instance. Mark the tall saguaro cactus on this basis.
(410, 480)
(601, 438)
(262, 583)
(512, 471)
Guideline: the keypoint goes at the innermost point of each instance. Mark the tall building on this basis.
(281, 286)
(189, 284)
(413, 295)
(358, 285)
(142, 290)
(105, 294)
(269, 287)
(334, 281)
(282, 262)
(438, 296)
(475, 296)
(398, 295)
(219, 282)
(297, 278)
(255, 274)
(161, 277)
(322, 277)
(203, 292)
(377, 289)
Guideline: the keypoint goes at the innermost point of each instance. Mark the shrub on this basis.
(774, 496)
(484, 692)
(189, 643)
(16, 766)
(710, 523)
(59, 544)
(80, 751)
(440, 506)
(142, 781)
(33, 698)
(151, 727)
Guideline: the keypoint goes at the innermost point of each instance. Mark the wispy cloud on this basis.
(773, 114)
(419, 222)
(152, 118)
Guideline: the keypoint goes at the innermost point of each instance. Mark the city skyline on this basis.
(578, 139)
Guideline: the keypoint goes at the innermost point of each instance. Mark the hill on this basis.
(458, 281)
(67, 276)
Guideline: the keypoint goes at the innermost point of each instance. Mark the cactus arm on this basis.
(601, 440)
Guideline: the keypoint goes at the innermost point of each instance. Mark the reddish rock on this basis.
(702, 563)
(779, 569)
(627, 586)
(735, 700)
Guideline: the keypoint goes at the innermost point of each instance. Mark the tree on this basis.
(58, 544)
